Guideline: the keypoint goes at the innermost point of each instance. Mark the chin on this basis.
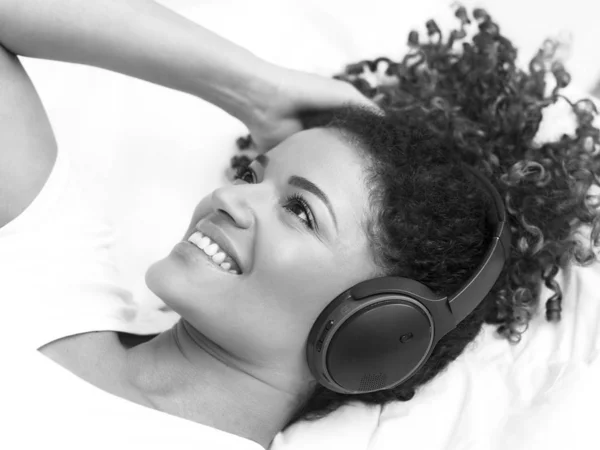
(166, 279)
(182, 288)
(158, 279)
(159, 282)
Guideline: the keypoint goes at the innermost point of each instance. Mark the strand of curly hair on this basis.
(492, 111)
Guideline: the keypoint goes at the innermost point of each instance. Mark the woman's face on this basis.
(296, 257)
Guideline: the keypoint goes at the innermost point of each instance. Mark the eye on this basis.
(246, 174)
(296, 205)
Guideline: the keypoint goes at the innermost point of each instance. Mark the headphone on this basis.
(378, 333)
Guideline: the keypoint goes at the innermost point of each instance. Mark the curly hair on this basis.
(447, 104)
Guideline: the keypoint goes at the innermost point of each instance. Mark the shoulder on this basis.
(92, 356)
(100, 358)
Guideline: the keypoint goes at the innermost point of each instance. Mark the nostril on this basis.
(230, 203)
(222, 211)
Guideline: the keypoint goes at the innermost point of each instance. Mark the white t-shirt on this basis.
(58, 278)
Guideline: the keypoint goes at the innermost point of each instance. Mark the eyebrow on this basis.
(305, 184)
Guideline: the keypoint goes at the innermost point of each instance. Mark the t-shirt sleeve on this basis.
(59, 275)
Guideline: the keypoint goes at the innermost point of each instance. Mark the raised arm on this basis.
(143, 39)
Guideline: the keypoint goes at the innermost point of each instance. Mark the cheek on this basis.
(294, 265)
(298, 281)
(297, 262)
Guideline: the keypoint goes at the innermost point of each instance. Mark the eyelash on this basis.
(294, 198)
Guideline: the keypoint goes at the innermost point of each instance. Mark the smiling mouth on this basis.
(212, 250)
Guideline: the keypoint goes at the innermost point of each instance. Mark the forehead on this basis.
(334, 165)
(321, 152)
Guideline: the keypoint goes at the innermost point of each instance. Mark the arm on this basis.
(142, 39)
(138, 38)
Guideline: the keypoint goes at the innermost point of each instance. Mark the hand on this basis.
(294, 91)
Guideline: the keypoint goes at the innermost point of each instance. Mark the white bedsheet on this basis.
(154, 153)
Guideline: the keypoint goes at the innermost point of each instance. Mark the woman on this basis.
(398, 203)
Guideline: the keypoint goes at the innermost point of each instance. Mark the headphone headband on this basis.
(466, 299)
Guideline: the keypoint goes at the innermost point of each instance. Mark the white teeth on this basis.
(204, 242)
(199, 241)
(211, 250)
(219, 257)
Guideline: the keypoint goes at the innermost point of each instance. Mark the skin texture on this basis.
(256, 324)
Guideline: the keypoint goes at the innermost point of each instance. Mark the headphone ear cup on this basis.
(372, 336)
(379, 346)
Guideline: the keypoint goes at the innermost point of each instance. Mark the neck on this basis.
(180, 372)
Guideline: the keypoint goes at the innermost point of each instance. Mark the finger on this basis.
(373, 106)
(369, 103)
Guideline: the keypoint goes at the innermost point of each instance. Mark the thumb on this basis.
(267, 138)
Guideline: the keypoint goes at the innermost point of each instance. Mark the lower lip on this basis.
(190, 250)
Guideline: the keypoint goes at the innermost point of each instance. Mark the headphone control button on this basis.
(329, 325)
(319, 346)
(406, 337)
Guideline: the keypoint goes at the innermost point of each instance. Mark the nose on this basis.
(232, 201)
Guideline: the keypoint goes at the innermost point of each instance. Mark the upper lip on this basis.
(217, 235)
